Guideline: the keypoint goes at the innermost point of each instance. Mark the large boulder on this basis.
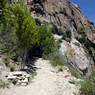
(77, 56)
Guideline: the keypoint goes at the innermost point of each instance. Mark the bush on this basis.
(55, 59)
(75, 72)
(46, 40)
(8, 39)
(88, 85)
(87, 88)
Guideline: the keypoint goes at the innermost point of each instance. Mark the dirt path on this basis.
(47, 82)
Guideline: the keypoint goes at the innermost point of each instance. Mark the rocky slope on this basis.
(67, 20)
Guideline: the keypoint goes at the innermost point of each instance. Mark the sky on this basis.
(87, 8)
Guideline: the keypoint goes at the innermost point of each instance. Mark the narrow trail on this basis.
(46, 82)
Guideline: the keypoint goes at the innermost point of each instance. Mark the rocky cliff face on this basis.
(67, 20)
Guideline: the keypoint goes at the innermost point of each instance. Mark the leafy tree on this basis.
(26, 30)
(46, 39)
(22, 33)
(29, 34)
(8, 39)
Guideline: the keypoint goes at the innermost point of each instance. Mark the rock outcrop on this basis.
(77, 56)
(68, 21)
(6, 65)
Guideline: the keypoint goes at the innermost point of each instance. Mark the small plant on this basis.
(55, 59)
(88, 85)
(87, 88)
(74, 71)
(92, 76)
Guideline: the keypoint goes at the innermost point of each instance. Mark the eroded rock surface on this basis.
(76, 56)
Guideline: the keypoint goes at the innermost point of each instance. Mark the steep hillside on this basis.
(76, 31)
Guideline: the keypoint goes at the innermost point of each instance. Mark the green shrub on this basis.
(56, 59)
(8, 39)
(92, 76)
(88, 85)
(46, 40)
(87, 88)
(74, 71)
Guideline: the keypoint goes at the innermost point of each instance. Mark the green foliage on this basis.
(19, 32)
(46, 39)
(8, 43)
(8, 39)
(75, 72)
(25, 26)
(2, 6)
(29, 35)
(87, 88)
(92, 76)
(55, 59)
(88, 85)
